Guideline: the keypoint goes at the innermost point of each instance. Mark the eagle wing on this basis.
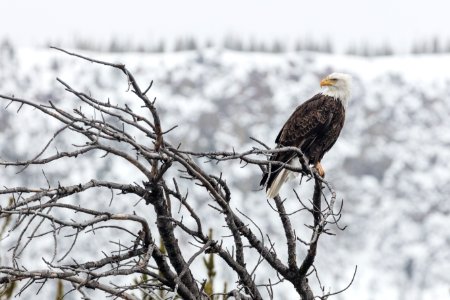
(309, 121)
(305, 123)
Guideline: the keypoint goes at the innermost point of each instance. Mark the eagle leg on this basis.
(320, 169)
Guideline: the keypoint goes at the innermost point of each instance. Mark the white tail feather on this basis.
(281, 178)
(275, 187)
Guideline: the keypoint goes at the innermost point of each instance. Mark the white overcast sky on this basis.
(345, 22)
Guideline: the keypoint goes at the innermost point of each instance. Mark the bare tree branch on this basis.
(119, 132)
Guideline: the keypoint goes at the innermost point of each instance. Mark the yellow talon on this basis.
(320, 169)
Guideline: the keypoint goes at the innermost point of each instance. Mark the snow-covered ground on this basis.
(391, 165)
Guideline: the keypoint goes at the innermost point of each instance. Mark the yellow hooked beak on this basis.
(326, 82)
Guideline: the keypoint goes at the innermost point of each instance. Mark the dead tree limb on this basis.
(137, 138)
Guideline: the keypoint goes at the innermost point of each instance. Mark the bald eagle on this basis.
(313, 127)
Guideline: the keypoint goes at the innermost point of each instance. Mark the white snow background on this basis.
(391, 164)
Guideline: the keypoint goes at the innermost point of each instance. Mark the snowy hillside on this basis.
(391, 165)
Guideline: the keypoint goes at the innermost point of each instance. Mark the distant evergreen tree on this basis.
(365, 50)
(85, 44)
(388, 49)
(420, 47)
(179, 45)
(277, 47)
(115, 46)
(252, 45)
(384, 50)
(435, 47)
(228, 42)
(425, 47)
(141, 48)
(262, 47)
(7, 49)
(161, 46)
(351, 50)
(327, 47)
(298, 46)
(415, 48)
(191, 44)
(447, 47)
(310, 45)
(233, 43)
(238, 44)
(209, 43)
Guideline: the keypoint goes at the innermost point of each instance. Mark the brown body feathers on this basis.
(313, 127)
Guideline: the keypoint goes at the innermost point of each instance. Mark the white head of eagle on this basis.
(313, 127)
(338, 86)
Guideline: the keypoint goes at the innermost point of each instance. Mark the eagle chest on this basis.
(332, 120)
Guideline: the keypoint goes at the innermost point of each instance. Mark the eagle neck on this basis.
(338, 95)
